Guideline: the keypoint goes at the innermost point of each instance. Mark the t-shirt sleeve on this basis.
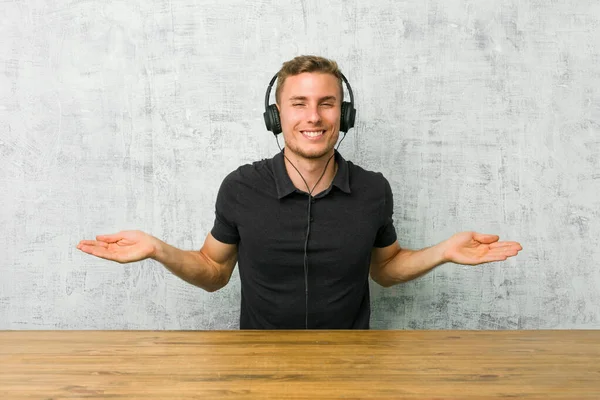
(386, 235)
(225, 227)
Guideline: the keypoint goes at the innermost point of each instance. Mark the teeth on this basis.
(313, 134)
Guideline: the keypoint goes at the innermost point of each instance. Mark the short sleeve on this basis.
(225, 228)
(386, 234)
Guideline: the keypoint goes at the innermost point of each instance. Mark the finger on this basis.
(99, 252)
(500, 254)
(91, 249)
(485, 238)
(513, 245)
(506, 244)
(497, 245)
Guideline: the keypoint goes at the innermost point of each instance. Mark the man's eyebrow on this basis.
(304, 98)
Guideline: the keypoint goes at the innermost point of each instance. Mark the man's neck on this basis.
(311, 170)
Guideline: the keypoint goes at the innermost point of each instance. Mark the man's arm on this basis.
(210, 268)
(392, 265)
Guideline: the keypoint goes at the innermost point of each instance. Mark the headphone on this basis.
(273, 122)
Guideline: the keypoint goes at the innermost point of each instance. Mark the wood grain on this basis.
(300, 364)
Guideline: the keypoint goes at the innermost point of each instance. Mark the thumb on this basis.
(485, 238)
(115, 237)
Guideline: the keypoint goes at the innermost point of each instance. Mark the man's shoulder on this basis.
(251, 173)
(360, 175)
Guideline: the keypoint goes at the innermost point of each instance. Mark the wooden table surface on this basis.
(299, 364)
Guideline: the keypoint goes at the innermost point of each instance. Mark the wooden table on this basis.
(299, 364)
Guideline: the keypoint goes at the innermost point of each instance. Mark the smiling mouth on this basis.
(312, 133)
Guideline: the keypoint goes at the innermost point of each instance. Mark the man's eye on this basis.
(298, 104)
(327, 105)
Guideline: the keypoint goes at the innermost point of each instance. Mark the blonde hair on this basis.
(301, 64)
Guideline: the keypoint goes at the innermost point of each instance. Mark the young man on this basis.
(306, 227)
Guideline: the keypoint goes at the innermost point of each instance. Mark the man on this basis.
(307, 226)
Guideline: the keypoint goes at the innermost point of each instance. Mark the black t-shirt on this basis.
(259, 209)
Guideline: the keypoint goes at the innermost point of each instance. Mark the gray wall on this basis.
(127, 115)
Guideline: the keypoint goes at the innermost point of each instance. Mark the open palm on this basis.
(122, 247)
(473, 248)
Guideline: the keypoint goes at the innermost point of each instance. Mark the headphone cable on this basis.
(310, 198)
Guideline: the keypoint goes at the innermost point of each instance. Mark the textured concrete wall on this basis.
(127, 115)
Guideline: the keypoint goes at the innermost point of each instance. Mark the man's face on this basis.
(310, 110)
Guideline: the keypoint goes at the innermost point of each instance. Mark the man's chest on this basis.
(340, 227)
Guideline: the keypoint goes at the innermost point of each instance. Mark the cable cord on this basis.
(310, 198)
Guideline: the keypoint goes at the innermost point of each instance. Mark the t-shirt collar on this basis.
(284, 183)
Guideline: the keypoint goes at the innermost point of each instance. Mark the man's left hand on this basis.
(472, 248)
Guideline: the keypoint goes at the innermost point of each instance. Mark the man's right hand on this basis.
(123, 247)
(210, 268)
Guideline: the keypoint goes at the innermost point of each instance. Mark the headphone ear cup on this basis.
(272, 121)
(348, 116)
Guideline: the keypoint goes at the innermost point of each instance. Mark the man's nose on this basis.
(314, 114)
